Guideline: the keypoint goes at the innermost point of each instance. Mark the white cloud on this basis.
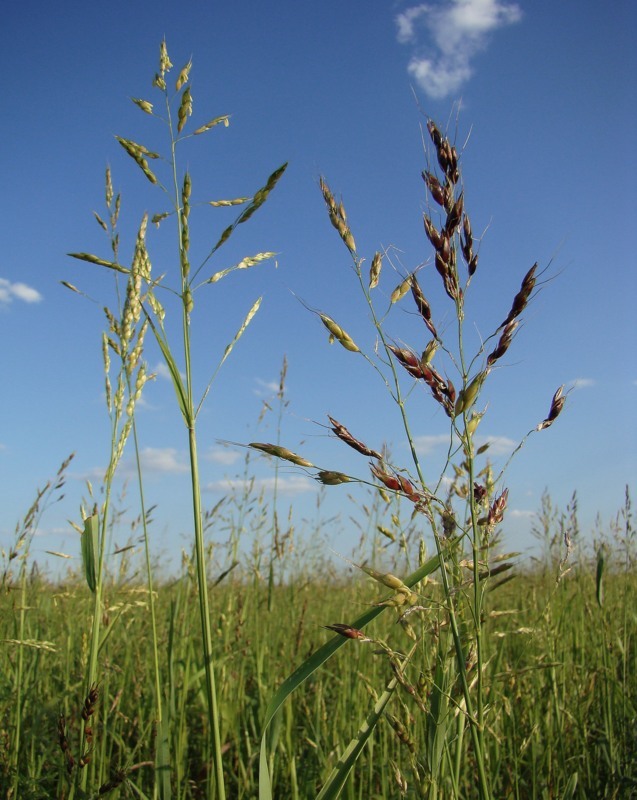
(498, 445)
(10, 291)
(456, 30)
(582, 383)
(427, 444)
(405, 23)
(222, 455)
(162, 459)
(285, 486)
(520, 513)
(266, 388)
(161, 370)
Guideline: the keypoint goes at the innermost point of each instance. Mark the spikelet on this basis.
(185, 109)
(329, 477)
(401, 290)
(336, 332)
(145, 106)
(337, 216)
(374, 271)
(345, 436)
(183, 75)
(557, 404)
(281, 452)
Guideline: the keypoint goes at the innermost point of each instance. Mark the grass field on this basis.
(559, 664)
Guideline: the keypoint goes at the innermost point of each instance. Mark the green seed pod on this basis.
(468, 396)
(329, 478)
(401, 290)
(338, 333)
(429, 352)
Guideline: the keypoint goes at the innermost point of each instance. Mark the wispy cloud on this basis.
(222, 455)
(520, 513)
(17, 291)
(454, 32)
(265, 388)
(581, 383)
(285, 486)
(427, 444)
(162, 459)
(161, 370)
(498, 445)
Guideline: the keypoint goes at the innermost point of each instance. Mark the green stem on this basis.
(204, 611)
(202, 582)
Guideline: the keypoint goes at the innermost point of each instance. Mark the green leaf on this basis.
(311, 664)
(162, 759)
(336, 780)
(175, 375)
(90, 537)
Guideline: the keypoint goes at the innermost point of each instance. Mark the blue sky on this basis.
(546, 92)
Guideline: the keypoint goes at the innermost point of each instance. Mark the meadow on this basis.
(431, 663)
(559, 665)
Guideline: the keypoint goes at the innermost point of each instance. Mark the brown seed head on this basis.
(346, 631)
(345, 436)
(408, 359)
(557, 404)
(521, 299)
(454, 216)
(503, 344)
(496, 512)
(441, 194)
(432, 234)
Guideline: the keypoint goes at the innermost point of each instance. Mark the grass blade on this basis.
(89, 550)
(338, 776)
(311, 664)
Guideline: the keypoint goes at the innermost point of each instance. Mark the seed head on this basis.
(281, 452)
(346, 631)
(521, 299)
(336, 332)
(401, 290)
(185, 109)
(557, 404)
(183, 75)
(496, 512)
(345, 436)
(374, 271)
(330, 478)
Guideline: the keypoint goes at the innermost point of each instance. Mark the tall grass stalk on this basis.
(464, 522)
(190, 281)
